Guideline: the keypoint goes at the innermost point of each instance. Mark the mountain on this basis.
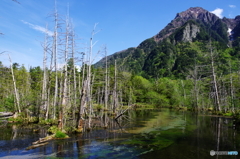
(197, 14)
(171, 51)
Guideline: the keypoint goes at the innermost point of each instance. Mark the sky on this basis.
(120, 23)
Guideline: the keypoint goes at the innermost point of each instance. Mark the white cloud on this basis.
(218, 12)
(232, 6)
(39, 28)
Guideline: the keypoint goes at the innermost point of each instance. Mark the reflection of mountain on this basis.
(162, 55)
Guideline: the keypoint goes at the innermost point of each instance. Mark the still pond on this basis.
(142, 134)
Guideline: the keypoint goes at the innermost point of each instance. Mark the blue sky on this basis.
(122, 23)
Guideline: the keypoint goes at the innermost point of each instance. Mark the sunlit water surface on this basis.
(154, 134)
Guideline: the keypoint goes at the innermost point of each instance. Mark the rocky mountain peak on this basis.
(193, 13)
(194, 24)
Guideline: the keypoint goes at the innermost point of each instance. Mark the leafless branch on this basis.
(2, 52)
(16, 1)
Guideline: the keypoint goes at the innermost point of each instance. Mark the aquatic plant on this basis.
(60, 134)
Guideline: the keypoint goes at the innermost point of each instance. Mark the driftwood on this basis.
(40, 142)
(35, 146)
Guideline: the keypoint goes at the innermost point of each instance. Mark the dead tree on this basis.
(44, 104)
(115, 96)
(15, 87)
(215, 87)
(65, 78)
(55, 53)
(106, 81)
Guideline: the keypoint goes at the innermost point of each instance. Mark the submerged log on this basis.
(122, 113)
(35, 146)
(42, 140)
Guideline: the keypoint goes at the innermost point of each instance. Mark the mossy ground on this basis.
(60, 134)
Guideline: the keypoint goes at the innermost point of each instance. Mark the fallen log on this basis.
(35, 146)
(42, 140)
(121, 113)
(6, 114)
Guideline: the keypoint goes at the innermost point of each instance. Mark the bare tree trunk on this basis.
(55, 52)
(214, 80)
(195, 87)
(89, 75)
(82, 93)
(184, 92)
(74, 78)
(65, 80)
(44, 102)
(48, 103)
(231, 89)
(15, 87)
(82, 106)
(115, 98)
(106, 82)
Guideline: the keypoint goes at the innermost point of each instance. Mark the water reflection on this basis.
(212, 133)
(185, 135)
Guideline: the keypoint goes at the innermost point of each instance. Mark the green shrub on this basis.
(47, 122)
(18, 120)
(99, 107)
(228, 114)
(53, 129)
(60, 134)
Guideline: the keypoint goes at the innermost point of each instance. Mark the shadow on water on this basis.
(138, 134)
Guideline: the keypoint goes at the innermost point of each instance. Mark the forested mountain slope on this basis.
(182, 45)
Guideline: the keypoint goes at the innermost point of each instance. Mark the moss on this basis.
(60, 134)
(228, 114)
(143, 106)
(53, 129)
(17, 120)
(98, 107)
(47, 122)
(210, 109)
(70, 129)
(33, 120)
(79, 130)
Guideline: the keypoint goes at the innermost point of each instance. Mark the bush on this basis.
(99, 107)
(17, 120)
(60, 134)
(228, 114)
(47, 122)
(53, 129)
(7, 104)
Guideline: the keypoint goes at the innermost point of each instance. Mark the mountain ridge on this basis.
(194, 24)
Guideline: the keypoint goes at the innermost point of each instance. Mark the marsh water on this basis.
(143, 134)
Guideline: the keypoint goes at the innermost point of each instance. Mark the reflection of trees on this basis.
(218, 134)
(60, 150)
(14, 132)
